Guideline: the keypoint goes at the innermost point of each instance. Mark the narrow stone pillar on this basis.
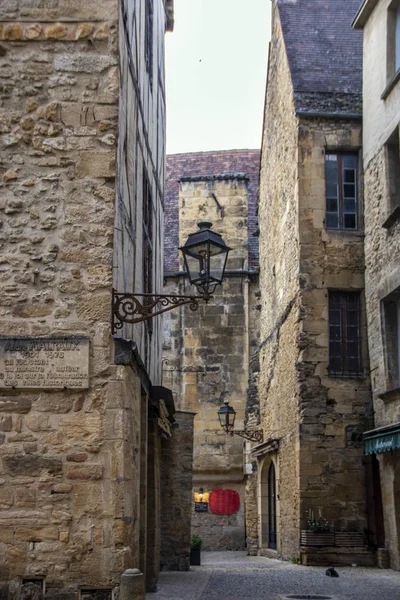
(132, 585)
(176, 494)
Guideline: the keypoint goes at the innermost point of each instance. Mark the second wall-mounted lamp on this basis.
(227, 415)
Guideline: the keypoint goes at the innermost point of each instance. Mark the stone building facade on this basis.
(82, 118)
(210, 356)
(314, 386)
(380, 21)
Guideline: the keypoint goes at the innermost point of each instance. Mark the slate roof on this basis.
(208, 165)
(324, 53)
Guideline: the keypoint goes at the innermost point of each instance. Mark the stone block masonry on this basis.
(316, 416)
(68, 495)
(58, 122)
(208, 351)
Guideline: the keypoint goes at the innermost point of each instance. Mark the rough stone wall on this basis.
(176, 495)
(279, 267)
(252, 418)
(207, 352)
(221, 532)
(390, 478)
(382, 247)
(333, 412)
(153, 506)
(59, 106)
(70, 461)
(251, 503)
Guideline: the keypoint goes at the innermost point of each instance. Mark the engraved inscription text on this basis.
(45, 363)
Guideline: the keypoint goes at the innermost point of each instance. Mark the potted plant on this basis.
(196, 543)
(318, 532)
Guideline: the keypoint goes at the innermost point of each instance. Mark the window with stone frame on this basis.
(392, 158)
(148, 41)
(393, 40)
(390, 309)
(341, 186)
(345, 359)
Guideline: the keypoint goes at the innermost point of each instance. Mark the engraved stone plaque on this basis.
(44, 363)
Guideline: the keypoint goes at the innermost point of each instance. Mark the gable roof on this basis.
(324, 54)
(203, 165)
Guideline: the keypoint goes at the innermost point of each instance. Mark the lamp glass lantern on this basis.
(205, 254)
(226, 415)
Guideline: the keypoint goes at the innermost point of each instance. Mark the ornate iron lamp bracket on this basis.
(253, 436)
(127, 308)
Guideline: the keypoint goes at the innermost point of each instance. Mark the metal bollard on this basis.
(132, 585)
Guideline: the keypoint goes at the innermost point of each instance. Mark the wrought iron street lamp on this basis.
(205, 254)
(226, 415)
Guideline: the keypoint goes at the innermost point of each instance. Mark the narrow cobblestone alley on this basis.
(236, 576)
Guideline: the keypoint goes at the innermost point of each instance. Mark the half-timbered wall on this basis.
(140, 167)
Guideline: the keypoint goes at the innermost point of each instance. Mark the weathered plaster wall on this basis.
(379, 117)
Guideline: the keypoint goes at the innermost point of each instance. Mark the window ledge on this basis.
(392, 218)
(346, 375)
(391, 394)
(351, 233)
(390, 85)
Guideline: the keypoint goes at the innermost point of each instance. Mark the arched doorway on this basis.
(272, 507)
(268, 506)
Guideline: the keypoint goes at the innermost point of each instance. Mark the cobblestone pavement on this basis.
(236, 576)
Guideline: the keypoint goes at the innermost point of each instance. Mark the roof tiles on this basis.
(324, 52)
(207, 165)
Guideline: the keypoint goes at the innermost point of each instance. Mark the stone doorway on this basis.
(268, 503)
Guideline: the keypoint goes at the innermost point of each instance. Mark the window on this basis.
(147, 253)
(148, 41)
(393, 39)
(397, 40)
(341, 191)
(393, 170)
(391, 334)
(147, 236)
(344, 334)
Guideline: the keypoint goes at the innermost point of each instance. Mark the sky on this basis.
(216, 66)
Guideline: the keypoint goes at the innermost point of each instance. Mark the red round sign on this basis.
(224, 502)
